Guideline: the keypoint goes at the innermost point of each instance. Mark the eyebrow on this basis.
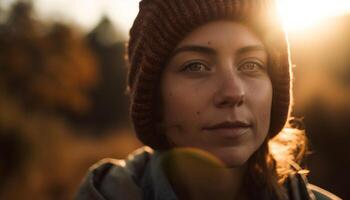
(250, 48)
(211, 51)
(194, 48)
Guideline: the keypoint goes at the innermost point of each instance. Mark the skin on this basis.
(218, 73)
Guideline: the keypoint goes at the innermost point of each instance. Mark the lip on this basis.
(228, 129)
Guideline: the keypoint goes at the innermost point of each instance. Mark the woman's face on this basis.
(216, 92)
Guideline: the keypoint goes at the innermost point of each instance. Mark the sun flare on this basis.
(299, 14)
(295, 14)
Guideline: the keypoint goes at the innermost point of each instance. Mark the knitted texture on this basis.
(161, 24)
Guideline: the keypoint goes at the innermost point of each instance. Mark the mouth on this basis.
(228, 129)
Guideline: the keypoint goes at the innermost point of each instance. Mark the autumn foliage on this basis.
(48, 73)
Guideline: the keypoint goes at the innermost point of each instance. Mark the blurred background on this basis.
(62, 90)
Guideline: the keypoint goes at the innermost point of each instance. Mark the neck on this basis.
(237, 188)
(194, 177)
(213, 184)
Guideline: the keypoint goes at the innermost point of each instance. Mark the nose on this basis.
(230, 92)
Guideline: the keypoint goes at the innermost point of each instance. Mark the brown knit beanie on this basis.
(161, 24)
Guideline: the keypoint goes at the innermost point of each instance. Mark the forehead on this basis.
(222, 34)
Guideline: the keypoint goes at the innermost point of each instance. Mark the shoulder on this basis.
(115, 179)
(298, 187)
(321, 194)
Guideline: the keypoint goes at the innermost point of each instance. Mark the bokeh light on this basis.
(62, 90)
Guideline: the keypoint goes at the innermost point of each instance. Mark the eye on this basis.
(250, 66)
(195, 67)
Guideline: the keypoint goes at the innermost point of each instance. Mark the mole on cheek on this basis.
(198, 113)
(209, 43)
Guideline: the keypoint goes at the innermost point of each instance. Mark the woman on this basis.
(209, 83)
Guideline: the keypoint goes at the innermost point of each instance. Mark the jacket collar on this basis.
(156, 185)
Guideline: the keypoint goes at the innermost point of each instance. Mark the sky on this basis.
(296, 14)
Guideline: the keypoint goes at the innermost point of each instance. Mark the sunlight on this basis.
(122, 12)
(296, 14)
(299, 14)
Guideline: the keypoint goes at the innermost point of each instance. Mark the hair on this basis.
(270, 166)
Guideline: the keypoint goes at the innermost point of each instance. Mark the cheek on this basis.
(180, 108)
(263, 106)
(183, 110)
(178, 105)
(260, 105)
(178, 116)
(183, 99)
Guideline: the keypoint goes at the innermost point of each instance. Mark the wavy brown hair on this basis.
(270, 166)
